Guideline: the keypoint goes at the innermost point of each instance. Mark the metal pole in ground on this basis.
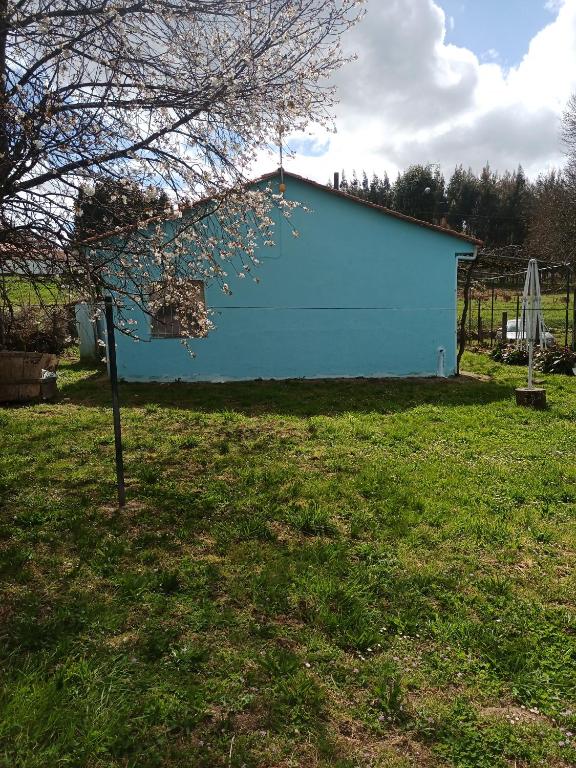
(492, 318)
(115, 401)
(518, 334)
(574, 319)
(480, 339)
(567, 306)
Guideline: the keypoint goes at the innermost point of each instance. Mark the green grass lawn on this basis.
(351, 574)
(23, 293)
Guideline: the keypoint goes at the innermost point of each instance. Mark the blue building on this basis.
(363, 291)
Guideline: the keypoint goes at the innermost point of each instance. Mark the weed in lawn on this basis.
(190, 441)
(294, 699)
(150, 475)
(497, 585)
(343, 607)
(156, 638)
(313, 520)
(248, 528)
(168, 581)
(389, 697)
(189, 658)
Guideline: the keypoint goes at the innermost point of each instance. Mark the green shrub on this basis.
(37, 329)
(551, 360)
(510, 354)
(556, 360)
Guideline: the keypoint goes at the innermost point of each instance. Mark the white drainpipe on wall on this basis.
(440, 368)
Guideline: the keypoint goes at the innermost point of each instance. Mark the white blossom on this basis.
(180, 95)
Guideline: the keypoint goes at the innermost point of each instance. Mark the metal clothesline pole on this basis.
(115, 400)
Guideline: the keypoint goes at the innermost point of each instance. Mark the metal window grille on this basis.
(165, 324)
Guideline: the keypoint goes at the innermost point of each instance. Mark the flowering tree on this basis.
(178, 94)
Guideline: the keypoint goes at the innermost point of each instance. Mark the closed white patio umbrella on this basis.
(533, 329)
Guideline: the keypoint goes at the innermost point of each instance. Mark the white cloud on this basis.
(411, 97)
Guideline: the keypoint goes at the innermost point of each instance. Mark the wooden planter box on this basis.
(20, 374)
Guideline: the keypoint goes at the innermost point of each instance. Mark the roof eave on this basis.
(387, 211)
(275, 174)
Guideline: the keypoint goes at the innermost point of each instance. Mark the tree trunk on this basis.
(462, 344)
(5, 161)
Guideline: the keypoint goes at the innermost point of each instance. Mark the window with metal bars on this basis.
(166, 323)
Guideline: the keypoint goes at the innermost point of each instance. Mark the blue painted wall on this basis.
(358, 293)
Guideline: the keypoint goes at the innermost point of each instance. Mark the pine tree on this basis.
(365, 185)
(462, 195)
(385, 192)
(373, 194)
(516, 206)
(484, 221)
(418, 191)
(354, 185)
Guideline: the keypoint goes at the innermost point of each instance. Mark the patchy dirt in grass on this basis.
(468, 376)
(514, 715)
(387, 750)
(132, 506)
(121, 641)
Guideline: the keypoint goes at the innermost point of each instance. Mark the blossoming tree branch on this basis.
(171, 95)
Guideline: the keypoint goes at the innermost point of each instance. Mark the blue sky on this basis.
(503, 26)
(448, 82)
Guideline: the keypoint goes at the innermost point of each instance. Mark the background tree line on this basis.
(501, 209)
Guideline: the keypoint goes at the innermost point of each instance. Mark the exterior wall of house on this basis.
(91, 329)
(358, 293)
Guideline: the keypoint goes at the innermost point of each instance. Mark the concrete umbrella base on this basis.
(531, 398)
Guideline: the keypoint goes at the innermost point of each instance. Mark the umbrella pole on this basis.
(530, 365)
